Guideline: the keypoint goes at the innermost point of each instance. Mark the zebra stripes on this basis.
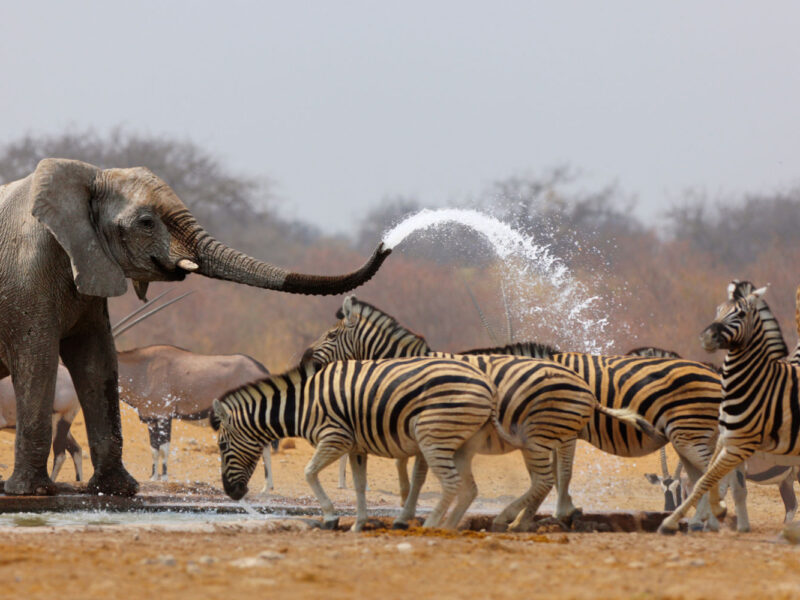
(565, 402)
(760, 408)
(679, 398)
(439, 409)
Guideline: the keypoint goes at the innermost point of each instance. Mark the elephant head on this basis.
(118, 223)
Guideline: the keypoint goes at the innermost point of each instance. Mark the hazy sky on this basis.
(344, 103)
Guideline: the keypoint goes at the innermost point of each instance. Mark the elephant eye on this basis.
(146, 222)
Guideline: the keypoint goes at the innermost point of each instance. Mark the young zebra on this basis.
(760, 408)
(678, 398)
(439, 409)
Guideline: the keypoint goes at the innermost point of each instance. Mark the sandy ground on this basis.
(289, 558)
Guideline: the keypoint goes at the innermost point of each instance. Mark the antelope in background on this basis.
(163, 382)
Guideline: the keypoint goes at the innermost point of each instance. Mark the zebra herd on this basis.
(371, 386)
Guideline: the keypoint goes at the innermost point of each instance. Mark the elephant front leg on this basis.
(92, 362)
(34, 378)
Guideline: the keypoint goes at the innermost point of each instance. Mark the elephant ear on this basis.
(61, 194)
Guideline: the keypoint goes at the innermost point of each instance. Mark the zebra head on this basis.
(239, 452)
(736, 318)
(340, 342)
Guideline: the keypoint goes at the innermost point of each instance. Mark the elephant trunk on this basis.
(215, 259)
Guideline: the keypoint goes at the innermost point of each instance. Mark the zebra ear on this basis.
(220, 416)
(759, 292)
(348, 311)
(731, 290)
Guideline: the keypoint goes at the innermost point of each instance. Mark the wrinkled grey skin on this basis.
(70, 236)
(65, 409)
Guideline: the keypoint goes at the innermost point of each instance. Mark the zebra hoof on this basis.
(331, 523)
(499, 527)
(399, 525)
(666, 530)
(358, 526)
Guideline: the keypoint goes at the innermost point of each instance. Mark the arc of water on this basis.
(569, 308)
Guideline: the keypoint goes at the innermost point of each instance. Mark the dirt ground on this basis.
(289, 558)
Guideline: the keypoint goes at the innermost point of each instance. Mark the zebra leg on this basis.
(540, 469)
(441, 462)
(402, 476)
(739, 489)
(266, 456)
(562, 466)
(702, 516)
(786, 488)
(724, 463)
(541, 484)
(358, 465)
(418, 475)
(469, 489)
(343, 473)
(326, 453)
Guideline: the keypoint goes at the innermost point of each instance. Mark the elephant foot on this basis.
(114, 482)
(29, 484)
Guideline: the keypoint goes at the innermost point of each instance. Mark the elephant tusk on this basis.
(188, 265)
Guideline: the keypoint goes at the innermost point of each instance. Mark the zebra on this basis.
(439, 409)
(761, 468)
(679, 398)
(760, 408)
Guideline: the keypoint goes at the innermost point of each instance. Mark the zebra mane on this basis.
(653, 352)
(738, 290)
(388, 323)
(531, 349)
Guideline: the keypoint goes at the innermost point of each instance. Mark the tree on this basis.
(236, 208)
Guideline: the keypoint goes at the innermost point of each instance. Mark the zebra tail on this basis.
(630, 417)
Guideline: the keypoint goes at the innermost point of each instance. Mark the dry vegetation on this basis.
(660, 288)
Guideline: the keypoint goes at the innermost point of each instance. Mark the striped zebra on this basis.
(761, 468)
(439, 409)
(679, 398)
(760, 408)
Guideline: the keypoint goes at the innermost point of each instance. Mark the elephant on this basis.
(71, 234)
(163, 382)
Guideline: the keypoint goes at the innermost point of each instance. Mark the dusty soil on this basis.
(282, 558)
